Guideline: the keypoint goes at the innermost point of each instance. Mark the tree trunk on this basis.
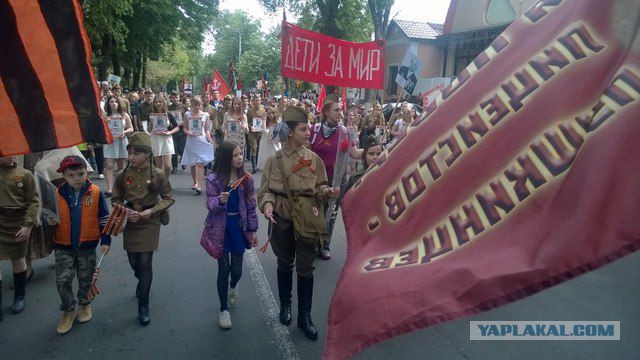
(105, 52)
(126, 78)
(144, 71)
(137, 70)
(114, 59)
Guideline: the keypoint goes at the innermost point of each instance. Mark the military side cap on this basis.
(139, 138)
(294, 113)
(370, 141)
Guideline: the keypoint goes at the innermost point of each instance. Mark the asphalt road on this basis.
(184, 309)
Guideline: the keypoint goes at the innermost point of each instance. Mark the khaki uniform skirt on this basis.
(10, 223)
(142, 236)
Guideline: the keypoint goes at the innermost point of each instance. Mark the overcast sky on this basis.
(419, 10)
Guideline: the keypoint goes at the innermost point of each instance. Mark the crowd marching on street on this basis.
(308, 155)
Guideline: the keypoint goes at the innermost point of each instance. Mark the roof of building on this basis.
(419, 30)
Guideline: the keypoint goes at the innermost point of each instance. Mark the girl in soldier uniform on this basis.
(19, 209)
(232, 220)
(294, 186)
(146, 192)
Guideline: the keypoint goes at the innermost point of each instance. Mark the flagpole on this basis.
(395, 109)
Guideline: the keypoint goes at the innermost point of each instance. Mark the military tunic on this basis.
(308, 181)
(254, 136)
(19, 207)
(143, 235)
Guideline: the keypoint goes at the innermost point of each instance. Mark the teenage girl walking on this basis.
(232, 221)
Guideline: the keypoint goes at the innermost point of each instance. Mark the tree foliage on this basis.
(125, 34)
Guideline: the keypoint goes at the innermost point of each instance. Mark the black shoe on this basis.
(285, 312)
(19, 281)
(305, 298)
(143, 312)
(107, 194)
(18, 304)
(174, 171)
(285, 279)
(324, 253)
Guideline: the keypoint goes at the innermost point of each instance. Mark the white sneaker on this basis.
(100, 176)
(225, 320)
(233, 296)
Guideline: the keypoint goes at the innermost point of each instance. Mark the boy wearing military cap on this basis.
(19, 209)
(146, 192)
(294, 187)
(83, 213)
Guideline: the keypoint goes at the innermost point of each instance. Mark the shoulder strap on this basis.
(285, 177)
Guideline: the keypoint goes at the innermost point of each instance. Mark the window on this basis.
(393, 86)
(499, 12)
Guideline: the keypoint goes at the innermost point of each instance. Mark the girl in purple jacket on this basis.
(232, 217)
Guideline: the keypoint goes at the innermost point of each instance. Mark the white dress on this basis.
(118, 148)
(198, 150)
(161, 144)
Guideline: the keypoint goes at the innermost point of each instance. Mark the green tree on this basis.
(380, 10)
(126, 34)
(344, 19)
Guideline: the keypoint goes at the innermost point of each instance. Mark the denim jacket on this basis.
(217, 216)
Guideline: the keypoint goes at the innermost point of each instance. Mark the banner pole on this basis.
(395, 109)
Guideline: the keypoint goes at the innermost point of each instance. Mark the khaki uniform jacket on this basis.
(252, 113)
(19, 205)
(124, 105)
(136, 193)
(144, 109)
(302, 182)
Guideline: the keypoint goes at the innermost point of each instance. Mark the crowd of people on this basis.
(309, 156)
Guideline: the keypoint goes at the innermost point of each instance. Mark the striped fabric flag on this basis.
(48, 95)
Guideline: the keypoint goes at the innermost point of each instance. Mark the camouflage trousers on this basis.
(69, 264)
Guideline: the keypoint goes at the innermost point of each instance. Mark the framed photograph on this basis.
(49, 195)
(258, 124)
(381, 133)
(160, 122)
(196, 126)
(177, 114)
(234, 129)
(116, 126)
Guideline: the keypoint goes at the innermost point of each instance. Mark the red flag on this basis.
(219, 84)
(322, 59)
(46, 55)
(524, 174)
(321, 97)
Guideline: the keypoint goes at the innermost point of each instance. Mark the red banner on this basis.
(219, 84)
(522, 174)
(322, 59)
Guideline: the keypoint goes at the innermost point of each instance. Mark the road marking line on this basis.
(269, 306)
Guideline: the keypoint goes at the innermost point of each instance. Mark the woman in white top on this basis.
(401, 125)
(162, 126)
(235, 124)
(198, 151)
(269, 143)
(120, 125)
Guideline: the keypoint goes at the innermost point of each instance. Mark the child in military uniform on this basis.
(146, 191)
(295, 180)
(83, 215)
(19, 209)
